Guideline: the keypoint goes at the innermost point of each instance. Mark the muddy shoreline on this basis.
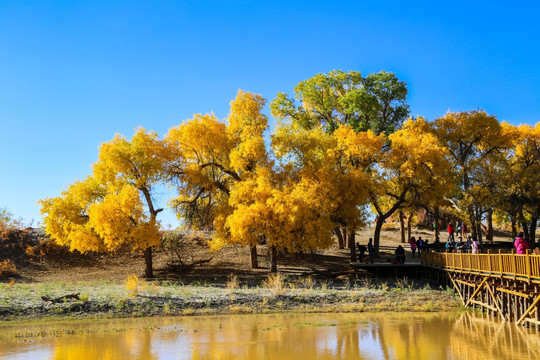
(23, 302)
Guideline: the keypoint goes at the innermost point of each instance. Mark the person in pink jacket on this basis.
(412, 241)
(520, 244)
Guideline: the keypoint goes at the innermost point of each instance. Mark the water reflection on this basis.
(283, 337)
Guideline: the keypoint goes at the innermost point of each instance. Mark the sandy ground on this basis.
(231, 260)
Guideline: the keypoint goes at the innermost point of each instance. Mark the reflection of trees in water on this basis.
(128, 345)
(314, 336)
(479, 336)
(276, 337)
(413, 336)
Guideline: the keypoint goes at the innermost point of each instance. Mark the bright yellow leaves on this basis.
(66, 216)
(139, 162)
(106, 210)
(416, 154)
(120, 219)
(246, 126)
(288, 215)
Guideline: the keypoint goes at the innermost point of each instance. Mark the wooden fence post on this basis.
(489, 261)
(500, 263)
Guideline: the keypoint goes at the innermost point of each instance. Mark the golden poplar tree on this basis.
(209, 158)
(475, 142)
(114, 206)
(413, 164)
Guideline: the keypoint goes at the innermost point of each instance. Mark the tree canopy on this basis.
(341, 146)
(113, 207)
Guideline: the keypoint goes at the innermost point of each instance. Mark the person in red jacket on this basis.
(450, 229)
(521, 245)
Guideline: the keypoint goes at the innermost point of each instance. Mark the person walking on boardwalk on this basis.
(400, 255)
(420, 245)
(437, 246)
(412, 241)
(520, 244)
(450, 229)
(475, 245)
(371, 250)
(361, 252)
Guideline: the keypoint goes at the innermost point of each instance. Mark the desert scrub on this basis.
(134, 285)
(275, 283)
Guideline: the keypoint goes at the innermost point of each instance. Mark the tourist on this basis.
(361, 251)
(463, 230)
(468, 245)
(412, 241)
(450, 230)
(520, 244)
(419, 245)
(450, 245)
(460, 245)
(400, 255)
(371, 250)
(437, 246)
(475, 245)
(426, 245)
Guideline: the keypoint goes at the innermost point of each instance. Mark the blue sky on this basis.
(72, 74)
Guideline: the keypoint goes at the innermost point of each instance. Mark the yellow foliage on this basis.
(105, 211)
(134, 285)
(246, 126)
(66, 216)
(7, 268)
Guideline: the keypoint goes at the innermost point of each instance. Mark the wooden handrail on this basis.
(496, 265)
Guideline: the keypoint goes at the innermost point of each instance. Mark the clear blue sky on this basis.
(72, 74)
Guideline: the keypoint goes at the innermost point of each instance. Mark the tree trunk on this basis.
(148, 271)
(402, 226)
(339, 235)
(382, 216)
(352, 245)
(478, 220)
(489, 232)
(377, 236)
(273, 259)
(524, 225)
(474, 228)
(514, 227)
(436, 223)
(253, 256)
(532, 231)
(409, 227)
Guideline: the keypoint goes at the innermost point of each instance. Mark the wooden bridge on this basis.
(504, 285)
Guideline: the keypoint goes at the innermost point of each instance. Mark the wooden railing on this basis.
(508, 266)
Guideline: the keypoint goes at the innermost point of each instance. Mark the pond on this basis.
(276, 336)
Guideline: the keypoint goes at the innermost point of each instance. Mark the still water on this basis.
(276, 336)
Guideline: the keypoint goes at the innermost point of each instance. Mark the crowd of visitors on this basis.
(464, 244)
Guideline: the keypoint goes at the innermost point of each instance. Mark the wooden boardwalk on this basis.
(504, 285)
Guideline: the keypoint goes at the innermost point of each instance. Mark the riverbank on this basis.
(137, 298)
